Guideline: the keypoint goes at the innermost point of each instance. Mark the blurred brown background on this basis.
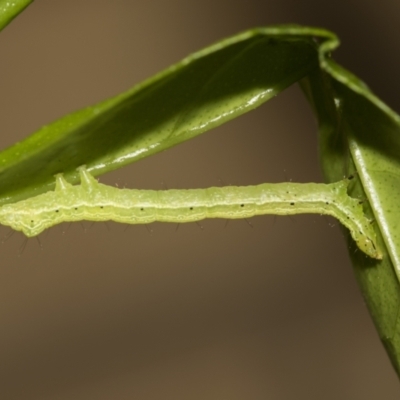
(269, 312)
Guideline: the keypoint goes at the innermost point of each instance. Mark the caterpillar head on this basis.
(367, 245)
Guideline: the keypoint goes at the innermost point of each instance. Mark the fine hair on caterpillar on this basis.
(94, 201)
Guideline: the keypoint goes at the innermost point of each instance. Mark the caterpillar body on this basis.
(94, 201)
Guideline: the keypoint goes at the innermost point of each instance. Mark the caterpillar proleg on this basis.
(94, 201)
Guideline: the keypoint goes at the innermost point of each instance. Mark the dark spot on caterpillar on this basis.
(292, 204)
(76, 208)
(57, 210)
(101, 207)
(242, 205)
(350, 177)
(327, 203)
(142, 209)
(191, 208)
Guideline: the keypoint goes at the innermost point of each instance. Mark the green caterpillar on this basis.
(97, 202)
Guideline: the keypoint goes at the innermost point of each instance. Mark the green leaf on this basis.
(204, 90)
(358, 133)
(9, 9)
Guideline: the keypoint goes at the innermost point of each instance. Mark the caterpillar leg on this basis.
(87, 180)
(61, 183)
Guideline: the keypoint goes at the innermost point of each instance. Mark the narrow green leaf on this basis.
(9, 9)
(359, 133)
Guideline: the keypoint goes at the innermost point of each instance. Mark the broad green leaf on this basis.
(358, 133)
(202, 91)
